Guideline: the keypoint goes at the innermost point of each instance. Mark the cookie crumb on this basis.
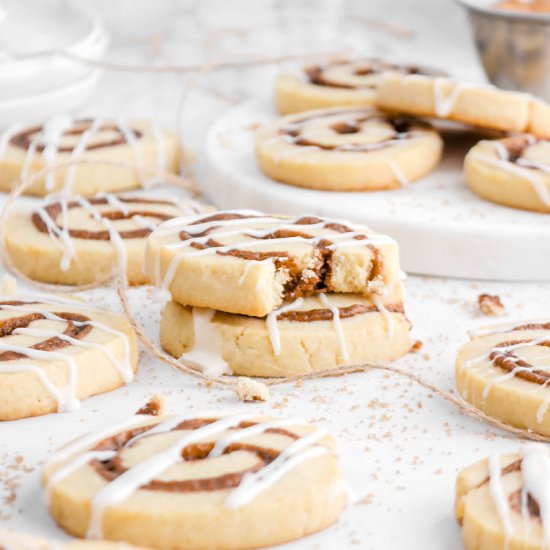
(251, 390)
(490, 305)
(156, 406)
(417, 346)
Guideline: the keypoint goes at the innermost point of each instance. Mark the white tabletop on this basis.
(401, 446)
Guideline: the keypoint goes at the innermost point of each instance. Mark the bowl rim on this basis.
(476, 6)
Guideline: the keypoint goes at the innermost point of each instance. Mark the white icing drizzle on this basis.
(387, 314)
(118, 243)
(91, 439)
(538, 184)
(337, 322)
(72, 466)
(254, 483)
(132, 479)
(397, 172)
(123, 367)
(445, 103)
(60, 237)
(78, 150)
(65, 396)
(272, 327)
(130, 138)
(499, 498)
(51, 135)
(239, 435)
(535, 469)
(207, 347)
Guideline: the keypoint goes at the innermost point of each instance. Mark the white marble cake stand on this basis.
(442, 227)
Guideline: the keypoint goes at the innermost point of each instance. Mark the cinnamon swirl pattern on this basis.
(307, 335)
(347, 149)
(249, 263)
(338, 83)
(197, 481)
(10, 540)
(514, 171)
(502, 502)
(26, 150)
(78, 241)
(505, 369)
(477, 104)
(55, 352)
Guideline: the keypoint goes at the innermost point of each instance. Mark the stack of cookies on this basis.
(269, 295)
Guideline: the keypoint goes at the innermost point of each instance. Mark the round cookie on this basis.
(77, 241)
(198, 482)
(19, 541)
(27, 150)
(248, 262)
(347, 149)
(504, 371)
(514, 171)
(339, 83)
(501, 502)
(56, 351)
(309, 335)
(477, 104)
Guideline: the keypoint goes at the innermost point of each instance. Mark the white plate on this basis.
(442, 227)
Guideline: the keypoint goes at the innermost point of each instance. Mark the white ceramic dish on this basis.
(442, 227)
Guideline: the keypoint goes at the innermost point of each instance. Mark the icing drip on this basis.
(337, 326)
(51, 135)
(59, 236)
(6, 136)
(207, 347)
(254, 483)
(397, 172)
(65, 396)
(272, 327)
(445, 103)
(499, 498)
(127, 483)
(387, 314)
(78, 150)
(535, 469)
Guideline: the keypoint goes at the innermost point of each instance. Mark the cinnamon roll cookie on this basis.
(502, 502)
(334, 84)
(347, 149)
(513, 171)
(19, 541)
(26, 150)
(249, 263)
(198, 481)
(477, 104)
(307, 335)
(56, 351)
(504, 371)
(78, 241)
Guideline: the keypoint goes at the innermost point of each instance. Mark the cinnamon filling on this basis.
(322, 314)
(298, 283)
(316, 74)
(77, 331)
(53, 211)
(403, 127)
(112, 468)
(24, 138)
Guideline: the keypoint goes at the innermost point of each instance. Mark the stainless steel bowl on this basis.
(514, 47)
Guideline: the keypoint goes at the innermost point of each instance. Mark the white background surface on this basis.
(401, 447)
